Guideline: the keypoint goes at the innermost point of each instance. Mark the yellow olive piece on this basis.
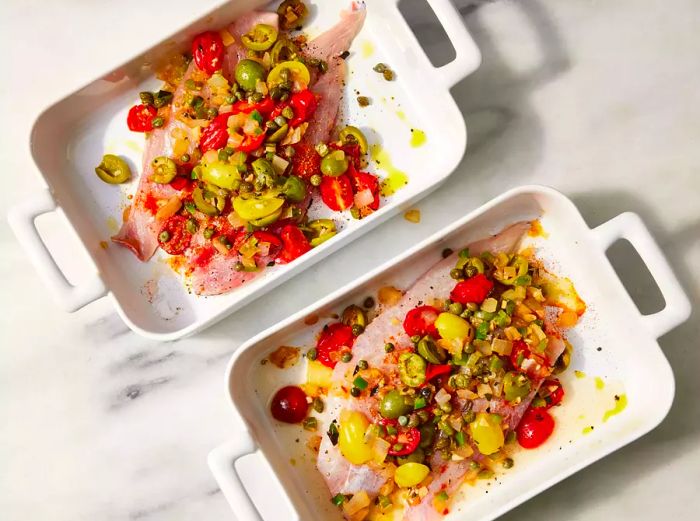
(411, 474)
(256, 207)
(297, 71)
(487, 433)
(283, 50)
(220, 174)
(351, 439)
(334, 164)
(260, 38)
(113, 170)
(452, 327)
(351, 133)
(164, 170)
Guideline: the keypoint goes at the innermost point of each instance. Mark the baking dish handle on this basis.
(629, 226)
(467, 55)
(222, 462)
(22, 219)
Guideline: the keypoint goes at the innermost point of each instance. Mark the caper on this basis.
(388, 347)
(368, 302)
(346, 357)
(469, 416)
(312, 354)
(357, 329)
(164, 236)
(508, 463)
(158, 122)
(355, 392)
(318, 405)
(362, 364)
(146, 98)
(455, 308)
(403, 420)
(315, 180)
(457, 273)
(380, 68)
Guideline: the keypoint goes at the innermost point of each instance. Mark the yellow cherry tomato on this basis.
(296, 72)
(252, 208)
(487, 433)
(452, 327)
(410, 474)
(351, 440)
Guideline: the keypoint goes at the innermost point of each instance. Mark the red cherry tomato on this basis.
(474, 289)
(536, 426)
(421, 321)
(251, 143)
(522, 352)
(289, 405)
(336, 192)
(215, 135)
(295, 243)
(180, 183)
(265, 106)
(554, 392)
(409, 438)
(177, 235)
(305, 161)
(304, 104)
(519, 353)
(333, 339)
(434, 371)
(208, 51)
(140, 118)
(273, 240)
(366, 181)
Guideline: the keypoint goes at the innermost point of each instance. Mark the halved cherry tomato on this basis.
(409, 438)
(251, 143)
(178, 238)
(366, 181)
(295, 243)
(304, 104)
(474, 289)
(273, 240)
(331, 342)
(421, 321)
(140, 118)
(265, 106)
(554, 392)
(434, 371)
(208, 51)
(215, 135)
(289, 404)
(336, 192)
(536, 426)
(305, 161)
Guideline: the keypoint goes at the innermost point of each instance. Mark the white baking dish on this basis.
(70, 137)
(629, 361)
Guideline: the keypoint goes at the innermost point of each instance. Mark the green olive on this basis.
(247, 74)
(113, 170)
(427, 434)
(335, 163)
(292, 14)
(354, 315)
(283, 50)
(417, 456)
(394, 404)
(322, 230)
(164, 170)
(515, 385)
(267, 220)
(412, 369)
(209, 202)
(430, 351)
(260, 38)
(279, 134)
(257, 207)
(294, 189)
(564, 360)
(353, 134)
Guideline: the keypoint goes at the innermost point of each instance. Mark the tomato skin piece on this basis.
(208, 51)
(180, 183)
(294, 243)
(304, 104)
(289, 404)
(409, 438)
(336, 192)
(332, 339)
(179, 237)
(305, 161)
(215, 135)
(140, 118)
(475, 289)
(556, 396)
(265, 106)
(273, 240)
(434, 371)
(421, 321)
(535, 428)
(251, 143)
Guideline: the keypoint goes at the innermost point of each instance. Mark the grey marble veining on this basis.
(599, 99)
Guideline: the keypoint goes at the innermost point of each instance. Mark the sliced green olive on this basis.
(247, 74)
(430, 351)
(265, 176)
(294, 189)
(283, 50)
(412, 369)
(335, 163)
(256, 207)
(223, 175)
(564, 360)
(113, 170)
(208, 202)
(293, 71)
(260, 38)
(515, 385)
(394, 404)
(354, 134)
(292, 14)
(164, 170)
(322, 230)
(278, 135)
(354, 315)
(267, 220)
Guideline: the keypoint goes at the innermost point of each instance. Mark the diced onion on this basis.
(356, 503)
(380, 450)
(501, 346)
(483, 389)
(364, 198)
(279, 164)
(442, 397)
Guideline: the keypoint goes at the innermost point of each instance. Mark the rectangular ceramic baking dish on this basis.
(613, 342)
(70, 137)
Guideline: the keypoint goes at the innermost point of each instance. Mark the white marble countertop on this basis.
(599, 99)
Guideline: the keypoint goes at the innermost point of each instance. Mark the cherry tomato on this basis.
(251, 143)
(434, 371)
(304, 104)
(305, 161)
(273, 240)
(366, 181)
(208, 51)
(474, 289)
(536, 426)
(215, 135)
(421, 321)
(520, 353)
(554, 392)
(140, 118)
(409, 438)
(180, 182)
(331, 342)
(289, 405)
(265, 106)
(336, 192)
(173, 236)
(295, 243)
